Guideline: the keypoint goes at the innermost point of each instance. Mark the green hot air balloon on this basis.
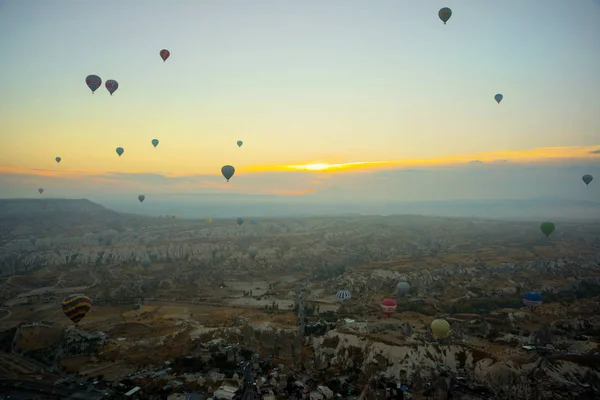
(445, 14)
(440, 328)
(227, 171)
(547, 228)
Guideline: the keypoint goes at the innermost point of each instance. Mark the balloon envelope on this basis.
(111, 86)
(120, 151)
(498, 98)
(547, 228)
(141, 198)
(154, 142)
(343, 295)
(402, 288)
(532, 299)
(587, 179)
(445, 14)
(388, 306)
(440, 328)
(76, 306)
(164, 54)
(227, 171)
(93, 82)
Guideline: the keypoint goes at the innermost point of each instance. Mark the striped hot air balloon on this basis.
(76, 306)
(343, 295)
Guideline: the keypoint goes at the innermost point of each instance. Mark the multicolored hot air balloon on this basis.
(154, 142)
(227, 171)
(532, 299)
(388, 306)
(587, 179)
(402, 288)
(440, 328)
(240, 143)
(141, 198)
(164, 54)
(343, 295)
(58, 160)
(111, 86)
(445, 14)
(498, 98)
(76, 306)
(120, 151)
(252, 252)
(240, 220)
(547, 228)
(93, 82)
(41, 190)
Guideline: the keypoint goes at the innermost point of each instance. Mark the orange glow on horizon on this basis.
(547, 154)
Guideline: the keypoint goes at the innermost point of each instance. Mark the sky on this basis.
(339, 100)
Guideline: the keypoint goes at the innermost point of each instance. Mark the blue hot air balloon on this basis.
(532, 299)
(120, 151)
(58, 159)
(240, 143)
(498, 98)
(154, 142)
(227, 172)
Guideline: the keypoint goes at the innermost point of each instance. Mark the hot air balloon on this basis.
(164, 54)
(498, 98)
(240, 143)
(402, 288)
(76, 306)
(253, 252)
(93, 82)
(343, 295)
(445, 14)
(388, 306)
(587, 179)
(32, 240)
(440, 328)
(532, 299)
(254, 222)
(111, 86)
(227, 171)
(58, 160)
(547, 228)
(41, 190)
(209, 220)
(154, 142)
(145, 262)
(141, 198)
(240, 220)
(120, 151)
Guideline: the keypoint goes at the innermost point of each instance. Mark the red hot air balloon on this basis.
(164, 54)
(388, 306)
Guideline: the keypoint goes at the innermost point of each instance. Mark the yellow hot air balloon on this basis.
(209, 220)
(440, 328)
(76, 306)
